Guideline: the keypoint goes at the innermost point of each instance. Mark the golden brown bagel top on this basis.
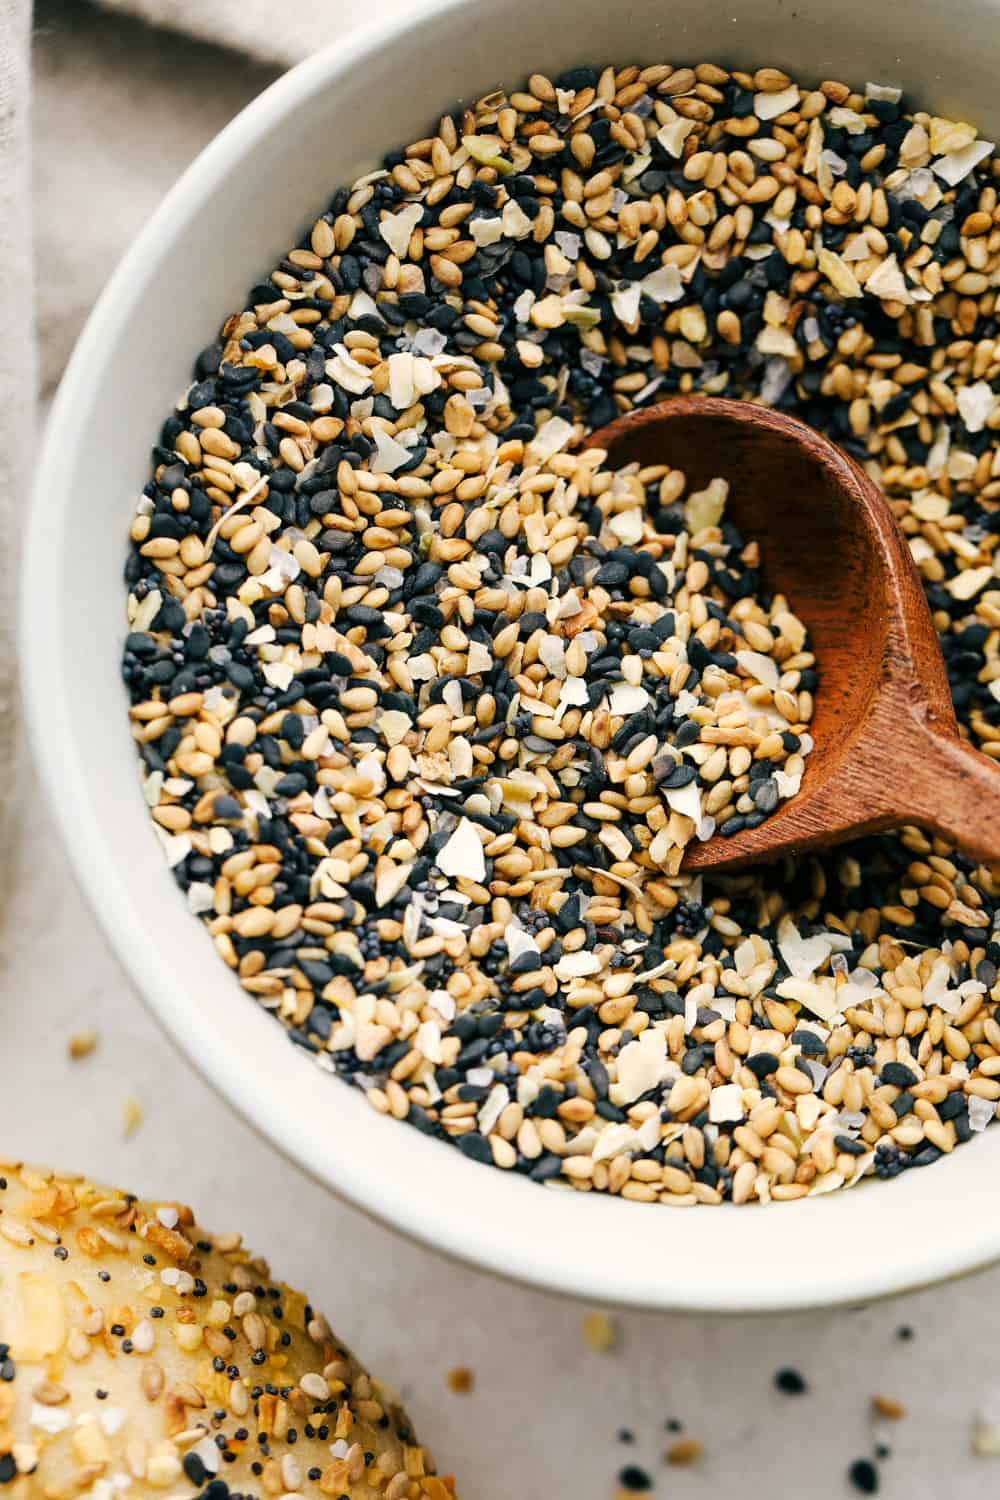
(142, 1356)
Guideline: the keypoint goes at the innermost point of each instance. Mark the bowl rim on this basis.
(392, 1200)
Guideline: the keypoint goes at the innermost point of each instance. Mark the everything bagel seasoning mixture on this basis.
(429, 701)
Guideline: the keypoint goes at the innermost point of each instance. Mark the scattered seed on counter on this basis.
(685, 1451)
(397, 646)
(864, 1476)
(986, 1425)
(132, 1115)
(600, 1332)
(461, 1380)
(634, 1481)
(81, 1044)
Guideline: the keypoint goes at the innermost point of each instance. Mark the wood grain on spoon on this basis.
(887, 745)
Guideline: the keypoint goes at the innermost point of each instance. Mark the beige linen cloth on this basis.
(270, 33)
(125, 95)
(17, 356)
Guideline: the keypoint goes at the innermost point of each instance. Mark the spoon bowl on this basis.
(887, 750)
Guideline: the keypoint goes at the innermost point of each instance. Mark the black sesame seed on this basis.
(863, 1475)
(634, 1479)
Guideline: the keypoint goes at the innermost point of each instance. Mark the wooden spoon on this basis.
(887, 745)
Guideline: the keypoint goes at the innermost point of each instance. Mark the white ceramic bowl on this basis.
(229, 217)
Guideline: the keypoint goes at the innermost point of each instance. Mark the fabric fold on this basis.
(270, 34)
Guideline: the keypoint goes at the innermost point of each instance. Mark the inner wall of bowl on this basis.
(237, 211)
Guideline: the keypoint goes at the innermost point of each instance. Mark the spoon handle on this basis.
(944, 784)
